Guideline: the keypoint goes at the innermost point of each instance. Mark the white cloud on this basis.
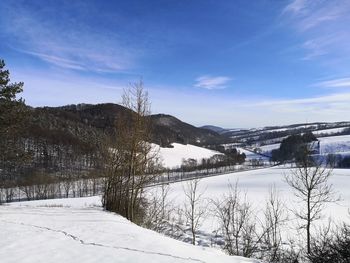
(295, 6)
(69, 44)
(313, 13)
(324, 27)
(334, 83)
(211, 83)
(333, 104)
(338, 97)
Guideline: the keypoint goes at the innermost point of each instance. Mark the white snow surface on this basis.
(328, 131)
(277, 130)
(172, 157)
(329, 144)
(78, 230)
(335, 144)
(267, 149)
(250, 155)
(256, 184)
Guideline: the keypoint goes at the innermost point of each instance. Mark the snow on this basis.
(172, 157)
(250, 155)
(335, 144)
(329, 144)
(329, 131)
(78, 230)
(267, 149)
(277, 130)
(256, 184)
(312, 126)
(75, 230)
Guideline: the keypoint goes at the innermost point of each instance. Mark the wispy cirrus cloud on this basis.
(322, 25)
(65, 42)
(334, 83)
(295, 6)
(328, 107)
(324, 100)
(309, 14)
(211, 82)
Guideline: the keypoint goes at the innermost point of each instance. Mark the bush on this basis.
(332, 249)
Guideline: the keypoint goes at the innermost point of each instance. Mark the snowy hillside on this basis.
(328, 131)
(328, 145)
(255, 184)
(250, 155)
(335, 145)
(274, 135)
(172, 157)
(267, 149)
(77, 230)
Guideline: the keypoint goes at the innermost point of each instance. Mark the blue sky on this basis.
(227, 63)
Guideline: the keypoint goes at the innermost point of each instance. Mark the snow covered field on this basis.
(329, 144)
(335, 144)
(172, 157)
(77, 230)
(267, 149)
(328, 131)
(256, 185)
(251, 155)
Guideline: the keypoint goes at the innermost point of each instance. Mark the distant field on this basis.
(256, 185)
(335, 144)
(172, 157)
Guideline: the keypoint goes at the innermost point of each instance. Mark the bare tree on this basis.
(236, 219)
(159, 207)
(310, 184)
(195, 208)
(275, 218)
(132, 162)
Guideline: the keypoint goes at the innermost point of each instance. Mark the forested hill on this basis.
(87, 122)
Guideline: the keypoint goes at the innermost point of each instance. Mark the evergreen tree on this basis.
(13, 113)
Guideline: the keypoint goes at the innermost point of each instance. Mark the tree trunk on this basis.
(308, 224)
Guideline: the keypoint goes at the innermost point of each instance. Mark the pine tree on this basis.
(13, 113)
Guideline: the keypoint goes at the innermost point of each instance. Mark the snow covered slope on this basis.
(335, 144)
(329, 144)
(172, 157)
(267, 149)
(75, 230)
(328, 131)
(256, 184)
(250, 155)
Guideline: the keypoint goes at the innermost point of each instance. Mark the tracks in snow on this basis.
(81, 241)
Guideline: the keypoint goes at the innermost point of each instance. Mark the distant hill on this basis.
(168, 129)
(86, 125)
(70, 140)
(86, 119)
(73, 140)
(214, 128)
(275, 134)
